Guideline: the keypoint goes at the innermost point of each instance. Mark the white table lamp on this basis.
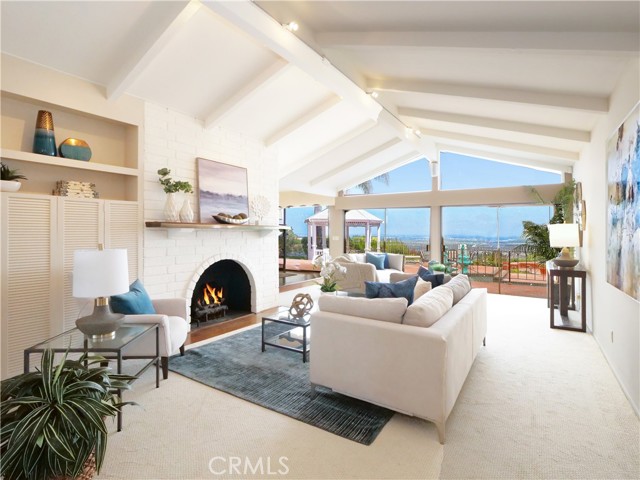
(99, 274)
(564, 235)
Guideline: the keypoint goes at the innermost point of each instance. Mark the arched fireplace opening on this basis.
(223, 292)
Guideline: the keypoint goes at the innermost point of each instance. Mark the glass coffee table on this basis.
(295, 339)
(74, 341)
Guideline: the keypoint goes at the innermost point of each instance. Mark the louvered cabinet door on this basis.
(28, 262)
(81, 227)
(122, 230)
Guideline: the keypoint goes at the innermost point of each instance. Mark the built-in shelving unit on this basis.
(113, 167)
(39, 231)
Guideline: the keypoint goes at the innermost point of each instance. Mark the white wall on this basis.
(609, 309)
(173, 260)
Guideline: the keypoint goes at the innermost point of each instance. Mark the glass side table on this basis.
(74, 341)
(295, 339)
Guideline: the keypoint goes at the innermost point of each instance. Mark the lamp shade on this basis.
(100, 273)
(564, 235)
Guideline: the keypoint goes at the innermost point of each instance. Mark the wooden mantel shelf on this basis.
(215, 226)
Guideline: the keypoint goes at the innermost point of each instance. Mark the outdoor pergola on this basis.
(353, 218)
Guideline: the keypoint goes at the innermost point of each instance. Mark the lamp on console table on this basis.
(99, 274)
(564, 235)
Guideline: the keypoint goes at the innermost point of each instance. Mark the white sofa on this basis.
(365, 352)
(358, 271)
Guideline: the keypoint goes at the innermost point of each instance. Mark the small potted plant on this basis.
(171, 211)
(10, 179)
(53, 420)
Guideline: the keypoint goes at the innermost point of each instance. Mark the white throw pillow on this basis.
(384, 309)
(429, 308)
(460, 286)
(422, 287)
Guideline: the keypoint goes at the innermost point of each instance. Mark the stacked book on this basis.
(71, 188)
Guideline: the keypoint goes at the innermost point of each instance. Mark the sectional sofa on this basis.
(412, 359)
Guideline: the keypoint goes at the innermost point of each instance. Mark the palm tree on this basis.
(367, 187)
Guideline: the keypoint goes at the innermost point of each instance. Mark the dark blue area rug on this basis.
(278, 380)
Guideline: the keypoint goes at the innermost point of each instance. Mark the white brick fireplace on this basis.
(175, 259)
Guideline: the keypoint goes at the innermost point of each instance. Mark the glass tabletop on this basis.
(283, 316)
(75, 340)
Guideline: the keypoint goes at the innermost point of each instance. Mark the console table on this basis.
(567, 304)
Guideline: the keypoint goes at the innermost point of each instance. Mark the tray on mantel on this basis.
(213, 226)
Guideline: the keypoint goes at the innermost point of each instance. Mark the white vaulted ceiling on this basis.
(516, 81)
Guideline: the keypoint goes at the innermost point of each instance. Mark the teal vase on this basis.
(44, 140)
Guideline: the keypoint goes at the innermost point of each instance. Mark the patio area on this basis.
(517, 280)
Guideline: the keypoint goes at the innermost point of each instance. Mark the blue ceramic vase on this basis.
(44, 140)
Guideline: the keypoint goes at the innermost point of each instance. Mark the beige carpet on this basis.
(538, 403)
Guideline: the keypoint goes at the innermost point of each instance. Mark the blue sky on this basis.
(457, 172)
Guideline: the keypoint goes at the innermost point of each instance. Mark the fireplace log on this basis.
(215, 310)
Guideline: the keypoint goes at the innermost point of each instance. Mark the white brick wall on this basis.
(175, 259)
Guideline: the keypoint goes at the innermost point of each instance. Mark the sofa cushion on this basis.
(391, 290)
(384, 309)
(460, 286)
(429, 308)
(436, 279)
(376, 259)
(135, 302)
(422, 287)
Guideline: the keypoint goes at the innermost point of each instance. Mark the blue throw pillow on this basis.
(427, 275)
(376, 259)
(391, 290)
(135, 302)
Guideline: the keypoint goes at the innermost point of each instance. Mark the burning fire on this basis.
(212, 295)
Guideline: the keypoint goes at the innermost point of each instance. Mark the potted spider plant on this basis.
(9, 178)
(53, 419)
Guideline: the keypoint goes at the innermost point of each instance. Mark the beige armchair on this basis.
(358, 271)
(173, 330)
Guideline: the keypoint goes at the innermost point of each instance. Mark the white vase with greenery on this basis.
(172, 211)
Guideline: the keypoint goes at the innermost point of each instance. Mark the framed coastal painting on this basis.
(222, 189)
(623, 206)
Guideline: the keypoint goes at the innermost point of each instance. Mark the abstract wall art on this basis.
(623, 206)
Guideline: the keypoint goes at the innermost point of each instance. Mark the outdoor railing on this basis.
(516, 265)
(511, 264)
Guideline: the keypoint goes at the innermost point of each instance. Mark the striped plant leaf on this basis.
(52, 420)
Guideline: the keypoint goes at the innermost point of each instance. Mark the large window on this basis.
(412, 177)
(459, 172)
(492, 227)
(401, 230)
(487, 244)
(296, 239)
